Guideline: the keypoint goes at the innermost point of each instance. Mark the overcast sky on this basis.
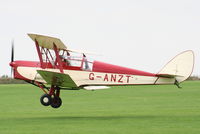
(140, 34)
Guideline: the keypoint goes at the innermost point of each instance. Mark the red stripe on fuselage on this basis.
(109, 68)
(25, 64)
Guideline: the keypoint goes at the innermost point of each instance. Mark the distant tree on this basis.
(194, 78)
(4, 76)
(5, 79)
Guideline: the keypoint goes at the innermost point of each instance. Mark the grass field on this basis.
(119, 110)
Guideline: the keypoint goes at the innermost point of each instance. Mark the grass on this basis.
(119, 110)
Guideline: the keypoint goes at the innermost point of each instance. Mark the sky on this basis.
(140, 34)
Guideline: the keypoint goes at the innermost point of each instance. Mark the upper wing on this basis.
(47, 42)
(57, 79)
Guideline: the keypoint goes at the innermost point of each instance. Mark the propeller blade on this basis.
(12, 56)
(12, 51)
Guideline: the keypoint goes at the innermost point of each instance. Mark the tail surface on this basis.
(180, 67)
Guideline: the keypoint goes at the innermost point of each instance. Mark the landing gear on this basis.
(51, 97)
(47, 100)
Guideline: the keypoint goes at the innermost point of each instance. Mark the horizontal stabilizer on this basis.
(95, 87)
(57, 79)
(168, 75)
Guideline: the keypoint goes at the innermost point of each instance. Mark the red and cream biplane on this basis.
(59, 68)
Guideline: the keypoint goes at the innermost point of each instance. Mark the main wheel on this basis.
(45, 99)
(56, 102)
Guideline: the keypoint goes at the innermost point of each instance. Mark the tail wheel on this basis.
(46, 99)
(56, 102)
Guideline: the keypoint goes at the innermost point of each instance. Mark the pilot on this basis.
(86, 62)
(63, 59)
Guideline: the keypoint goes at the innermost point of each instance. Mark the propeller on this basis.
(12, 56)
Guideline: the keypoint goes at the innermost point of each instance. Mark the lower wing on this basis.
(57, 79)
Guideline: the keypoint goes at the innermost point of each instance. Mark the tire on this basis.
(45, 99)
(56, 102)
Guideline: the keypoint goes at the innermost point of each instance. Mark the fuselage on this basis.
(99, 73)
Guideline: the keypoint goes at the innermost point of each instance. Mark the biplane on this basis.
(60, 68)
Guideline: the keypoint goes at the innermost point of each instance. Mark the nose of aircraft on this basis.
(12, 64)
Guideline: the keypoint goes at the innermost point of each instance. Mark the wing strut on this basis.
(58, 58)
(39, 53)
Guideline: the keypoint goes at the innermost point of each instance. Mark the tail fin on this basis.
(180, 67)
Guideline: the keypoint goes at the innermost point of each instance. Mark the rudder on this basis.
(181, 66)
